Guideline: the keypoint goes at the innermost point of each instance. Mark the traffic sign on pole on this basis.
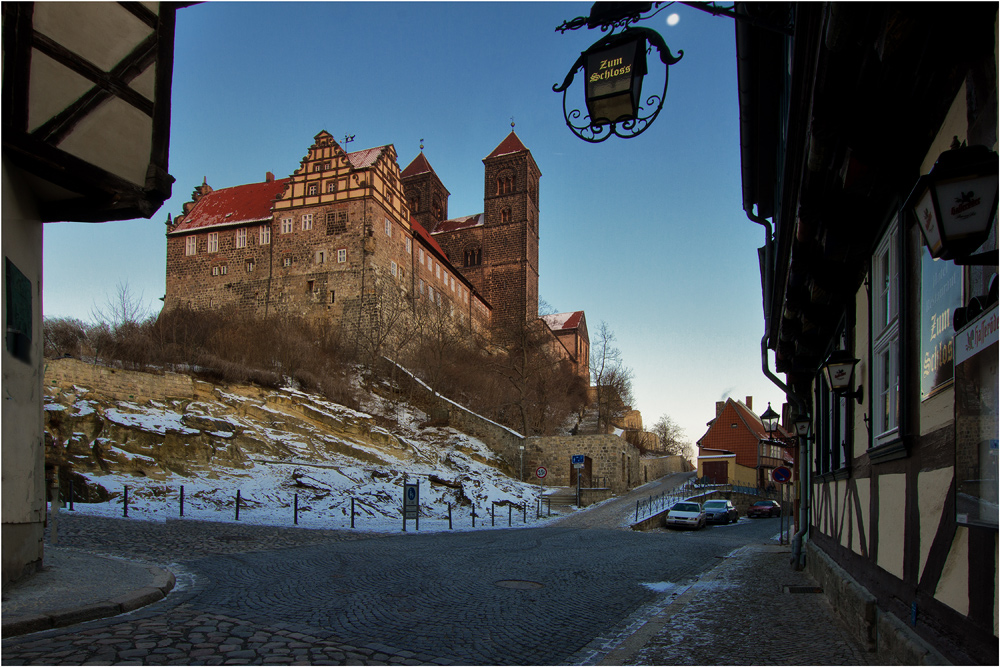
(781, 475)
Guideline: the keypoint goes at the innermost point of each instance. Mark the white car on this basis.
(686, 514)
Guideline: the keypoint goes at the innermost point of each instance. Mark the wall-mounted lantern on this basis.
(956, 202)
(615, 67)
(803, 426)
(839, 372)
(769, 419)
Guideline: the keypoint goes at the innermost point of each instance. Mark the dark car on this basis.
(721, 511)
(764, 508)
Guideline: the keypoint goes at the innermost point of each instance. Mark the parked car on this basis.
(764, 508)
(686, 514)
(721, 511)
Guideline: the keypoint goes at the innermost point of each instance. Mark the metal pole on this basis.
(449, 516)
(493, 514)
(295, 513)
(237, 504)
(182, 500)
(418, 505)
(473, 515)
(510, 515)
(126, 501)
(71, 494)
(524, 508)
(352, 511)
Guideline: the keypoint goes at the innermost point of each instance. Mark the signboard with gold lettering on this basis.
(614, 79)
(940, 294)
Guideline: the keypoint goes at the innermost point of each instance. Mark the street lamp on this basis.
(803, 425)
(956, 202)
(839, 372)
(770, 420)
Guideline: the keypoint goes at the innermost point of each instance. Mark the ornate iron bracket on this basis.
(579, 122)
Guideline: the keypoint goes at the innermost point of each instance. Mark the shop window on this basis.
(885, 336)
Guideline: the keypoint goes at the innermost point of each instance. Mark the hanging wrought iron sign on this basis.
(614, 68)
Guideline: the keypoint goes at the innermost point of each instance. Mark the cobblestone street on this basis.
(552, 595)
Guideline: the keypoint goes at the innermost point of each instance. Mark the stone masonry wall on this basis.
(663, 465)
(611, 458)
(118, 383)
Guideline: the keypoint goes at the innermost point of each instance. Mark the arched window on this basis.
(436, 209)
(505, 216)
(473, 256)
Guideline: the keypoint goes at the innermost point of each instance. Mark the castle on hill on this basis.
(348, 235)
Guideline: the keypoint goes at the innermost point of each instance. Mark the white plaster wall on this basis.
(953, 587)
(891, 523)
(842, 519)
(932, 491)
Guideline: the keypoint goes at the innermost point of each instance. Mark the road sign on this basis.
(577, 460)
(541, 473)
(781, 475)
(411, 500)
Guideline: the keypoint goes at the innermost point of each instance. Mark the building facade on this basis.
(839, 118)
(737, 449)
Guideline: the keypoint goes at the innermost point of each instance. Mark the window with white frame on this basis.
(265, 234)
(213, 241)
(394, 269)
(286, 225)
(885, 336)
(388, 227)
(341, 255)
(420, 255)
(421, 287)
(307, 221)
(331, 186)
(191, 245)
(834, 437)
(314, 188)
(286, 262)
(409, 244)
(241, 237)
(223, 269)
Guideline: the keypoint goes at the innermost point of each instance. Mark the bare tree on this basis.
(612, 379)
(673, 438)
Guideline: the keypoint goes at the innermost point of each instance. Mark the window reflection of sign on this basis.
(18, 316)
(976, 389)
(940, 294)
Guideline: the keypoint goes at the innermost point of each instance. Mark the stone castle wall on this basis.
(611, 458)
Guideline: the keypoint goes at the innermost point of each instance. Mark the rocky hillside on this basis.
(269, 445)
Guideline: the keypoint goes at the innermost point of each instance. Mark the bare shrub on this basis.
(63, 336)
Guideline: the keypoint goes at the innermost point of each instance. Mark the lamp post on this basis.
(956, 202)
(839, 371)
(770, 420)
(521, 447)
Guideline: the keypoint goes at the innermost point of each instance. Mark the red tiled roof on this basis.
(564, 321)
(509, 145)
(459, 223)
(365, 158)
(427, 238)
(420, 165)
(232, 206)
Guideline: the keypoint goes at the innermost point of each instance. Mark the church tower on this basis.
(425, 193)
(510, 243)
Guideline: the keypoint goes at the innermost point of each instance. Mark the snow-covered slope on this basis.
(270, 447)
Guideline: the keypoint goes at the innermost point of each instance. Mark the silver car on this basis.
(686, 514)
(721, 511)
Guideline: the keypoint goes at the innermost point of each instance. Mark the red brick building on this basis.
(736, 440)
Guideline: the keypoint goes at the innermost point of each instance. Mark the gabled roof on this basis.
(428, 240)
(512, 144)
(564, 321)
(476, 220)
(241, 204)
(365, 158)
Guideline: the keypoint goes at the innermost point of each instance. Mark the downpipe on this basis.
(798, 553)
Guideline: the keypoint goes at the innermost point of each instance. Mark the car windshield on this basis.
(686, 507)
(715, 504)
(763, 503)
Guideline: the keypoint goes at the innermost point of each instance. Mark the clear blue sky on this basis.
(646, 234)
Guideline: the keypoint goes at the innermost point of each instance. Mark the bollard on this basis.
(449, 516)
(493, 515)
(510, 514)
(637, 511)
(296, 511)
(126, 502)
(524, 511)
(182, 500)
(473, 515)
(352, 511)
(70, 494)
(237, 504)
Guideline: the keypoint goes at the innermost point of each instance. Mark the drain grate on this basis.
(518, 584)
(802, 589)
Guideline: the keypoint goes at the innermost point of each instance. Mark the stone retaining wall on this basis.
(611, 458)
(660, 466)
(120, 384)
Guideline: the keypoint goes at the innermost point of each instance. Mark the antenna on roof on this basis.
(348, 138)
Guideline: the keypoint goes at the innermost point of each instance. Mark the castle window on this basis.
(333, 296)
(409, 244)
(326, 165)
(505, 216)
(313, 189)
(437, 210)
(249, 267)
(394, 269)
(241, 237)
(215, 270)
(473, 256)
(286, 225)
(505, 185)
(336, 222)
(191, 245)
(213, 241)
(307, 221)
(341, 255)
(421, 287)
(388, 227)
(265, 234)
(309, 286)
(415, 204)
(321, 257)
(286, 262)
(420, 255)
(317, 167)
(331, 186)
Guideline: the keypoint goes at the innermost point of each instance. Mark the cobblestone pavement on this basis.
(552, 595)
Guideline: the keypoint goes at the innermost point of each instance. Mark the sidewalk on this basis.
(74, 586)
(751, 609)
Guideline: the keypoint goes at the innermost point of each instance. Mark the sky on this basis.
(646, 234)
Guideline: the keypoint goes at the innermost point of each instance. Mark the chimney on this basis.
(749, 402)
(719, 407)
(269, 177)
